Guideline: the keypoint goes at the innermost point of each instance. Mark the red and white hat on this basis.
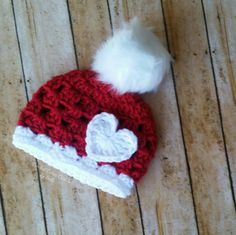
(90, 124)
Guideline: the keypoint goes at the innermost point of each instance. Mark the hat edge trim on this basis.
(67, 161)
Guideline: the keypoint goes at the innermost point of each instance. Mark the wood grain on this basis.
(47, 49)
(71, 208)
(221, 25)
(118, 216)
(165, 191)
(2, 226)
(200, 117)
(18, 173)
(91, 26)
(189, 186)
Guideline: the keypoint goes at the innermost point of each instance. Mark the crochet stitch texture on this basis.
(62, 108)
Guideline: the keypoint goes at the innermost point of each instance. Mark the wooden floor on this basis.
(191, 184)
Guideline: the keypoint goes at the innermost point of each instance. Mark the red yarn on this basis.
(62, 108)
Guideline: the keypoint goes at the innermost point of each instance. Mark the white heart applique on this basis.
(107, 144)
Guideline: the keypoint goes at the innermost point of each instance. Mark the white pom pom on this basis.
(133, 60)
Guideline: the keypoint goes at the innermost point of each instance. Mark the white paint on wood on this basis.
(165, 196)
(221, 24)
(72, 207)
(47, 49)
(165, 192)
(2, 226)
(200, 117)
(91, 26)
(18, 173)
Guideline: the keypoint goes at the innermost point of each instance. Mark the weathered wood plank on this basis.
(200, 117)
(91, 26)
(165, 192)
(71, 208)
(221, 25)
(47, 49)
(18, 173)
(2, 226)
(120, 216)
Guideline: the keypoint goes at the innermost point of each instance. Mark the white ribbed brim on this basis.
(66, 159)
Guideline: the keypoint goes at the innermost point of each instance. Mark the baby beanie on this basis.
(91, 124)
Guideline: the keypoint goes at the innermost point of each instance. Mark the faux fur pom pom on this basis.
(133, 60)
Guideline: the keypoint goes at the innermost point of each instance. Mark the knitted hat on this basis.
(90, 124)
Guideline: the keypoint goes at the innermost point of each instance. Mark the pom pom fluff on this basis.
(133, 60)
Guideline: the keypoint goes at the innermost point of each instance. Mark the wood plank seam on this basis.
(42, 199)
(17, 38)
(27, 98)
(109, 13)
(219, 105)
(3, 211)
(77, 64)
(117, 215)
(112, 31)
(219, 108)
(180, 119)
(170, 144)
(160, 227)
(151, 193)
(221, 26)
(72, 33)
(213, 124)
(55, 196)
(18, 174)
(140, 210)
(232, 79)
(100, 212)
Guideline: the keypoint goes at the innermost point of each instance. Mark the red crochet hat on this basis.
(91, 128)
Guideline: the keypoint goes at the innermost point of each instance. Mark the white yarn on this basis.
(65, 159)
(133, 60)
(105, 143)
